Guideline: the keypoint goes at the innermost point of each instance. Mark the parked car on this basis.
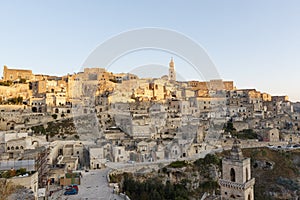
(72, 191)
(131, 161)
(73, 186)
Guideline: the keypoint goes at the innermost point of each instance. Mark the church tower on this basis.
(236, 182)
(172, 73)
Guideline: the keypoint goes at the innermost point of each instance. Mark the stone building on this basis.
(28, 181)
(211, 85)
(16, 74)
(271, 135)
(97, 158)
(172, 73)
(75, 149)
(236, 182)
(119, 154)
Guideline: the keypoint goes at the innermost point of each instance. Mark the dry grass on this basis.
(6, 189)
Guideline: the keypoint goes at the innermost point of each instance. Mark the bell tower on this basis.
(236, 182)
(172, 73)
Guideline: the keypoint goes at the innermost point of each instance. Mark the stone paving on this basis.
(94, 186)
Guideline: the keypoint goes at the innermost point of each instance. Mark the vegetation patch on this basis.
(153, 189)
(247, 134)
(179, 164)
(13, 173)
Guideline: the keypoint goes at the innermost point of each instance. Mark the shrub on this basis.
(178, 164)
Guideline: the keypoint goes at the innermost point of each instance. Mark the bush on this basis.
(229, 128)
(208, 160)
(178, 164)
(153, 189)
(38, 129)
(15, 100)
(247, 134)
(209, 186)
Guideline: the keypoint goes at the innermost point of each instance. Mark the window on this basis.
(232, 175)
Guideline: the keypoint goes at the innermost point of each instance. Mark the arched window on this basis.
(34, 109)
(232, 175)
(22, 147)
(17, 147)
(8, 148)
(249, 197)
(12, 148)
(247, 174)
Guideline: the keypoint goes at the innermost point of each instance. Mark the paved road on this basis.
(94, 186)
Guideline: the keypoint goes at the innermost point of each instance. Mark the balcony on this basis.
(239, 186)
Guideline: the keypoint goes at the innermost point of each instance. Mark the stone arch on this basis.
(17, 147)
(249, 197)
(35, 143)
(12, 148)
(232, 175)
(34, 109)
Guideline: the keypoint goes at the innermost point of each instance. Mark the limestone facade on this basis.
(16, 74)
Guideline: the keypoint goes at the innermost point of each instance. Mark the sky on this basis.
(254, 43)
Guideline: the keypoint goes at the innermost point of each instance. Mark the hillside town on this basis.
(56, 128)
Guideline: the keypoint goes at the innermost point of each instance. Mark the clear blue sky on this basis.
(254, 43)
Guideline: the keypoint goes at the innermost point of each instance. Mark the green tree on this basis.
(229, 128)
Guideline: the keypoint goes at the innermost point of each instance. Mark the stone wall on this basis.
(14, 74)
